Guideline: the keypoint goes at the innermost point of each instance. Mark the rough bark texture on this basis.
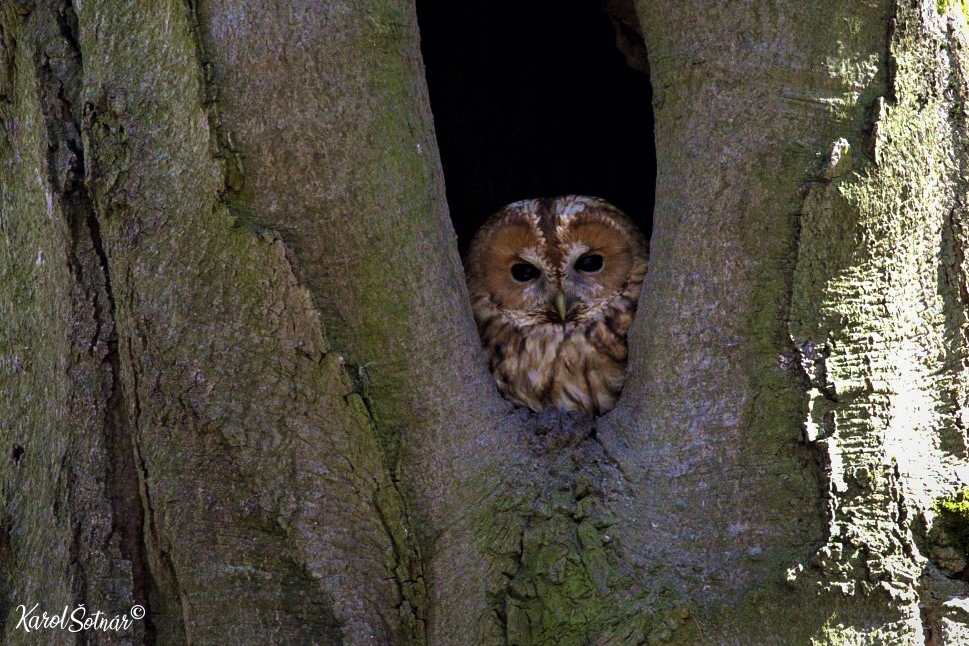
(241, 387)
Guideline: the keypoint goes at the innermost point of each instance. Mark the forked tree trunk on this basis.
(240, 384)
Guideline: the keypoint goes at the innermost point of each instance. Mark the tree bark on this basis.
(240, 384)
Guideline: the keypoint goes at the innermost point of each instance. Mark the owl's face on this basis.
(555, 261)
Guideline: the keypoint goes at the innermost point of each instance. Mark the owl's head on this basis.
(555, 261)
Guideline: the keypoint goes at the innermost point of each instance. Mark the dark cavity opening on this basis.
(535, 99)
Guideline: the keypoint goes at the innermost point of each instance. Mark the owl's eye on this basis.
(590, 263)
(524, 272)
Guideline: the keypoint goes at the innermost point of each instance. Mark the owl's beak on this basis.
(560, 304)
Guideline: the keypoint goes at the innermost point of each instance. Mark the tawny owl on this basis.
(554, 286)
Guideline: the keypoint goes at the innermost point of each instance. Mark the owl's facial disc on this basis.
(552, 262)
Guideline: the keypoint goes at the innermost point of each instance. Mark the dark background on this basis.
(531, 98)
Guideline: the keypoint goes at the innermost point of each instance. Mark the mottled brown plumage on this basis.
(554, 286)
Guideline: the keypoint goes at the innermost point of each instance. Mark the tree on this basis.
(240, 385)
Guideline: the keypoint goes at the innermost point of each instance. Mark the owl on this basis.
(554, 285)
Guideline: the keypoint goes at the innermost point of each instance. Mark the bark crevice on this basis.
(392, 507)
(88, 260)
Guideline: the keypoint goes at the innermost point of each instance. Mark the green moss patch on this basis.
(953, 520)
(944, 5)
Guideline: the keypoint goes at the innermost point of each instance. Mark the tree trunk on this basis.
(240, 384)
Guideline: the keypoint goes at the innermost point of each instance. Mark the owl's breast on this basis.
(578, 366)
